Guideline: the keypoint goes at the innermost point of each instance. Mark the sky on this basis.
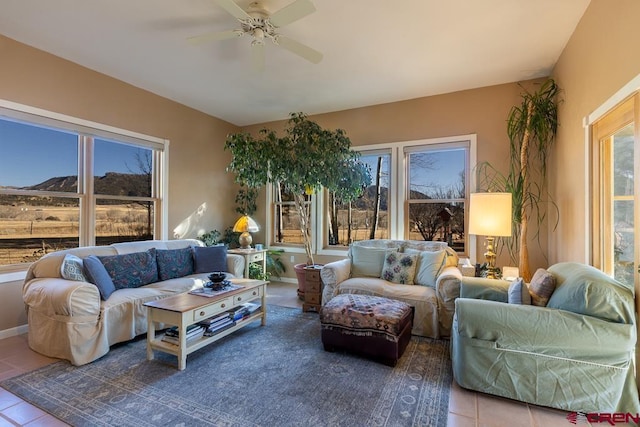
(442, 172)
(30, 155)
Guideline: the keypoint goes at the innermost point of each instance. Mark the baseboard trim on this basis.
(18, 330)
(286, 280)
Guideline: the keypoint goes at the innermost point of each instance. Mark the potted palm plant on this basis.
(531, 127)
(304, 160)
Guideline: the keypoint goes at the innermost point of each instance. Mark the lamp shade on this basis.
(490, 214)
(245, 223)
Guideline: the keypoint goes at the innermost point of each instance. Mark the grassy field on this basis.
(27, 233)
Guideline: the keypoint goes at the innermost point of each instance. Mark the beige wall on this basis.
(481, 111)
(600, 58)
(197, 162)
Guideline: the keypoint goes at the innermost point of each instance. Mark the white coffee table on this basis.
(186, 309)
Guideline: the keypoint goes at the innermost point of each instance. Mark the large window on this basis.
(615, 202)
(66, 184)
(368, 216)
(436, 193)
(286, 221)
(419, 191)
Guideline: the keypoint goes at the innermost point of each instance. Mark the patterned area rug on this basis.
(276, 375)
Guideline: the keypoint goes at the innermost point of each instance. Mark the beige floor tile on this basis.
(14, 372)
(455, 420)
(29, 360)
(22, 413)
(7, 399)
(463, 402)
(4, 367)
(12, 345)
(47, 421)
(497, 412)
(5, 422)
(543, 417)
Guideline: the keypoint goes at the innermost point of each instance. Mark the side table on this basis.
(252, 256)
(312, 289)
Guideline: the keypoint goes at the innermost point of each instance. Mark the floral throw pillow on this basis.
(399, 268)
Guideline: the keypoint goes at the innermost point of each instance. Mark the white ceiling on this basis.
(375, 51)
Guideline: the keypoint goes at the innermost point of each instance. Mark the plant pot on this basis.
(299, 269)
(300, 274)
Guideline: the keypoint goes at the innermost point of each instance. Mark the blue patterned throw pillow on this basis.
(132, 270)
(174, 263)
(399, 268)
(73, 268)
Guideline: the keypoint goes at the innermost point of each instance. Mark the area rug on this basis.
(272, 375)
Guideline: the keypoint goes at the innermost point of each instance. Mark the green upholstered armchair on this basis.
(575, 354)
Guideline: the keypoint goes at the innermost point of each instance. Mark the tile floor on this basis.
(466, 408)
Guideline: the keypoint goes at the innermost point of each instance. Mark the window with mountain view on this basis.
(419, 191)
(62, 188)
(123, 177)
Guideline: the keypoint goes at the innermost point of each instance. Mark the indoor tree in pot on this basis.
(304, 160)
(531, 127)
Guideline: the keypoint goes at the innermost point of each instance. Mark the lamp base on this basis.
(245, 240)
(490, 256)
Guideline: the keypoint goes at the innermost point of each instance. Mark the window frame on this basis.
(396, 202)
(435, 147)
(86, 131)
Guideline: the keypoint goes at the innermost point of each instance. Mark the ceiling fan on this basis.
(259, 24)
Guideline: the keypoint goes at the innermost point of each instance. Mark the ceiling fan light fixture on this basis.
(260, 24)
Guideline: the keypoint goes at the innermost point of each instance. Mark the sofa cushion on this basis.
(519, 292)
(174, 263)
(132, 270)
(367, 261)
(430, 264)
(72, 268)
(98, 275)
(591, 292)
(399, 267)
(208, 259)
(541, 287)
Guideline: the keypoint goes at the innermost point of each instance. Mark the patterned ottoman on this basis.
(371, 326)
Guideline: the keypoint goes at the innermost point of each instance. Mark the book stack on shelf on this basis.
(222, 321)
(216, 324)
(172, 335)
(243, 311)
(213, 325)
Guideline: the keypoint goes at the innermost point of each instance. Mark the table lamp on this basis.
(245, 225)
(490, 216)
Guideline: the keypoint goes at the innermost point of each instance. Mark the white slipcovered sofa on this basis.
(70, 319)
(432, 291)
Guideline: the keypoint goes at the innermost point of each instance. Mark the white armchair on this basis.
(433, 299)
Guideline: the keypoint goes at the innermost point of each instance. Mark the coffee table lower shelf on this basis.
(186, 309)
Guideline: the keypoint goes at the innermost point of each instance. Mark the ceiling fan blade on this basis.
(257, 56)
(222, 35)
(292, 12)
(233, 8)
(299, 49)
